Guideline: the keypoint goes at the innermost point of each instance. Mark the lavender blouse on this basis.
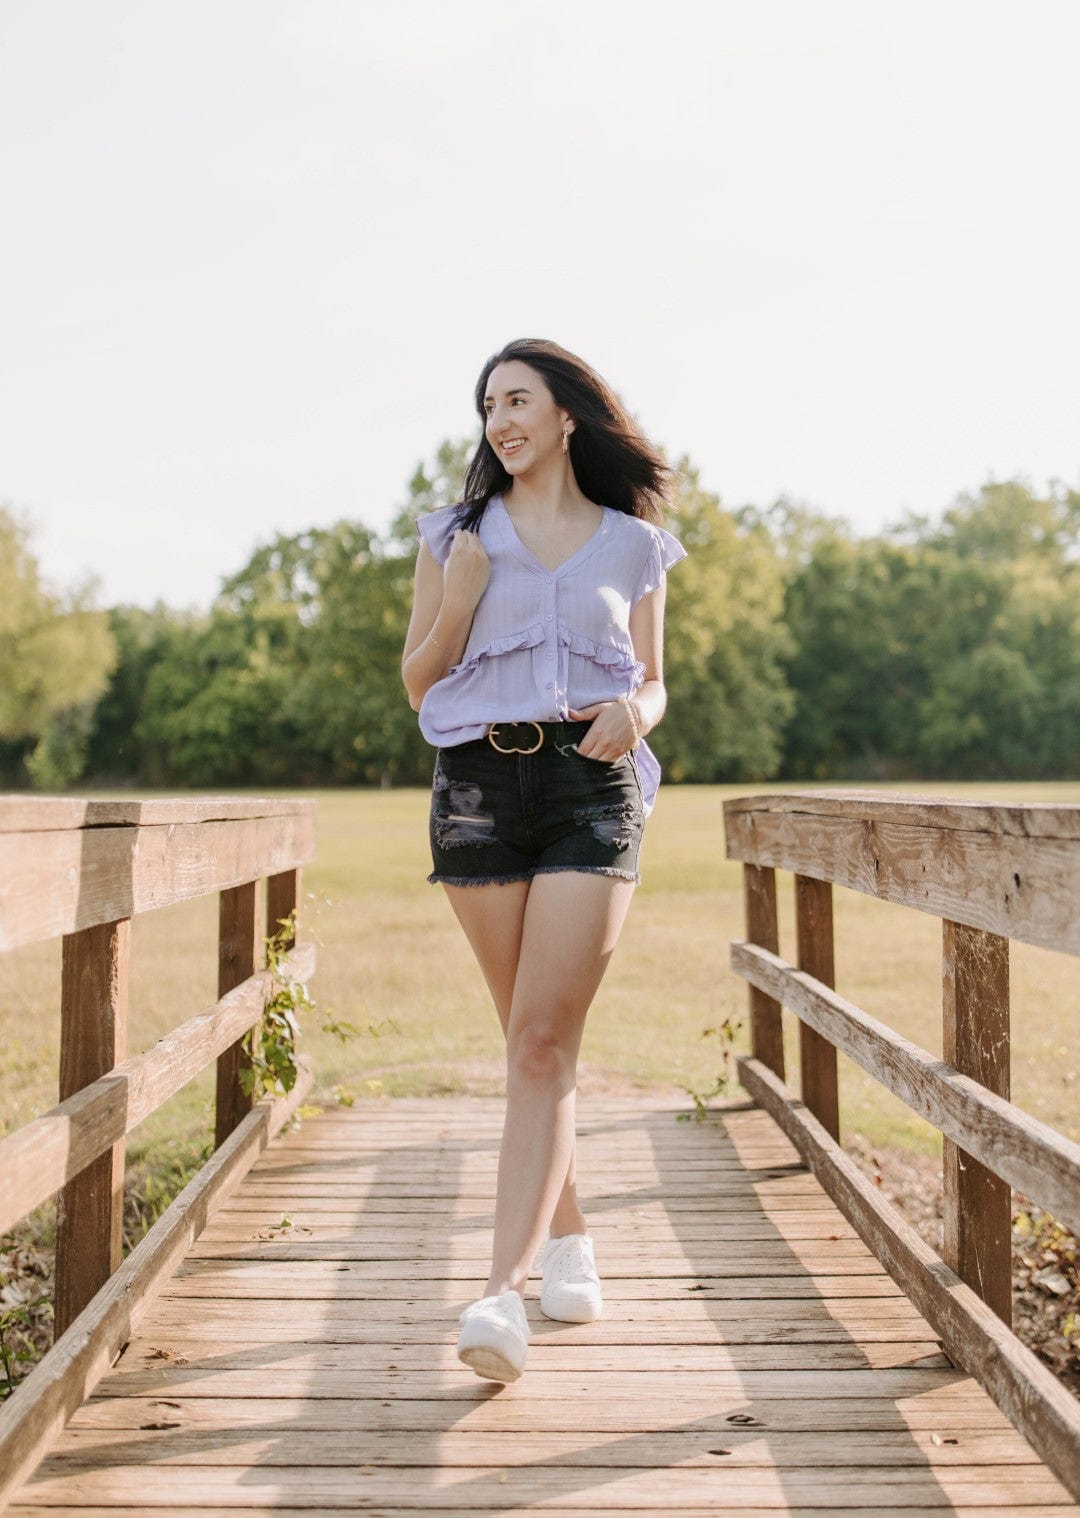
(543, 640)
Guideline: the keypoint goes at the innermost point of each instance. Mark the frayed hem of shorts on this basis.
(589, 869)
(544, 869)
(476, 880)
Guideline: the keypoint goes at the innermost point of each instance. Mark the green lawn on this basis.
(392, 958)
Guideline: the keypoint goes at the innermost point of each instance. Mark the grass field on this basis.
(393, 959)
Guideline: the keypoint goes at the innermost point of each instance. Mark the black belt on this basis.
(526, 737)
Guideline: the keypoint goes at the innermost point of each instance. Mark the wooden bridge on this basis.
(775, 1339)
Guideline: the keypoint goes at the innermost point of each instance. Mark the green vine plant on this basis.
(726, 1034)
(272, 1047)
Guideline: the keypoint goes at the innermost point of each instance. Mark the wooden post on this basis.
(93, 1039)
(975, 1041)
(236, 961)
(282, 897)
(817, 1056)
(766, 1023)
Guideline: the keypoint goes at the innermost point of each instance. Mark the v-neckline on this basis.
(526, 555)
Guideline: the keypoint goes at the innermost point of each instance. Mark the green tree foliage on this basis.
(724, 644)
(350, 699)
(945, 649)
(56, 653)
(295, 675)
(942, 648)
(354, 695)
(143, 639)
(221, 704)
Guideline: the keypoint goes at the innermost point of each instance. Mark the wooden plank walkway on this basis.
(753, 1358)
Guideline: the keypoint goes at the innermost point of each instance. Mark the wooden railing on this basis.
(991, 873)
(81, 870)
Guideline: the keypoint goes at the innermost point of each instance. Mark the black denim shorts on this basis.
(498, 817)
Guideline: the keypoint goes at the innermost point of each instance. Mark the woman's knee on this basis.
(540, 1051)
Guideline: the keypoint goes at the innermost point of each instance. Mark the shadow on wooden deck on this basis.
(753, 1357)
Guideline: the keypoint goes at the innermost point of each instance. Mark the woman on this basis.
(534, 657)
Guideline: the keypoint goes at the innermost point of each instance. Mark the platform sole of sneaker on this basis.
(570, 1311)
(489, 1363)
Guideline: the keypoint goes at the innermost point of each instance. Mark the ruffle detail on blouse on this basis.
(665, 553)
(609, 655)
(529, 637)
(437, 531)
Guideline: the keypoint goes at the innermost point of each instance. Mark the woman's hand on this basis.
(612, 732)
(466, 572)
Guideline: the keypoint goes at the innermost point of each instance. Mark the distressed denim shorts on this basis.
(499, 817)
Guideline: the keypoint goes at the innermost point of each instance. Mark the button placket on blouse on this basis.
(551, 643)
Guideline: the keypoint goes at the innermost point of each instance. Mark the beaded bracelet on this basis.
(635, 720)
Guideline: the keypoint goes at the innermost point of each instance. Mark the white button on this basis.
(551, 656)
(550, 579)
(549, 616)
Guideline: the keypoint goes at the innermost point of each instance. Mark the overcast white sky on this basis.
(255, 252)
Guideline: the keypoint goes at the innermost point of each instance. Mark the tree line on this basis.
(940, 648)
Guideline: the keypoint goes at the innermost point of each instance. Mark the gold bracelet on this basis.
(433, 639)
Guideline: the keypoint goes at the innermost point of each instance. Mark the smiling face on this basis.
(524, 426)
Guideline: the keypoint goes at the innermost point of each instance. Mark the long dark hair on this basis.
(613, 461)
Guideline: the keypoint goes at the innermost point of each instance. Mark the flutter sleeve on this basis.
(665, 552)
(437, 529)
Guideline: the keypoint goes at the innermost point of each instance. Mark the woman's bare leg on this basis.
(570, 927)
(493, 918)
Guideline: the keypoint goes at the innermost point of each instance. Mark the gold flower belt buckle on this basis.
(516, 749)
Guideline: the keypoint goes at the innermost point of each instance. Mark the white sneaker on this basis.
(494, 1337)
(571, 1289)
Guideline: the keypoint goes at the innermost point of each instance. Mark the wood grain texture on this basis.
(1016, 884)
(817, 1056)
(38, 1158)
(30, 1421)
(739, 1366)
(972, 1334)
(64, 880)
(766, 1026)
(1037, 1160)
(93, 1039)
(572, 1446)
(1029, 819)
(237, 960)
(977, 1203)
(538, 1486)
(48, 814)
(282, 898)
(277, 1505)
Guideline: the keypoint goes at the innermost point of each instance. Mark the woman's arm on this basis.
(612, 731)
(647, 636)
(444, 603)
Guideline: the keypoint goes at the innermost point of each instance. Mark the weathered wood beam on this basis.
(62, 881)
(1031, 1156)
(31, 1420)
(766, 1022)
(977, 1204)
(1005, 882)
(817, 1056)
(974, 1336)
(41, 1156)
(237, 959)
(93, 1039)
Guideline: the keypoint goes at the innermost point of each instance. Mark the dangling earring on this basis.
(566, 442)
